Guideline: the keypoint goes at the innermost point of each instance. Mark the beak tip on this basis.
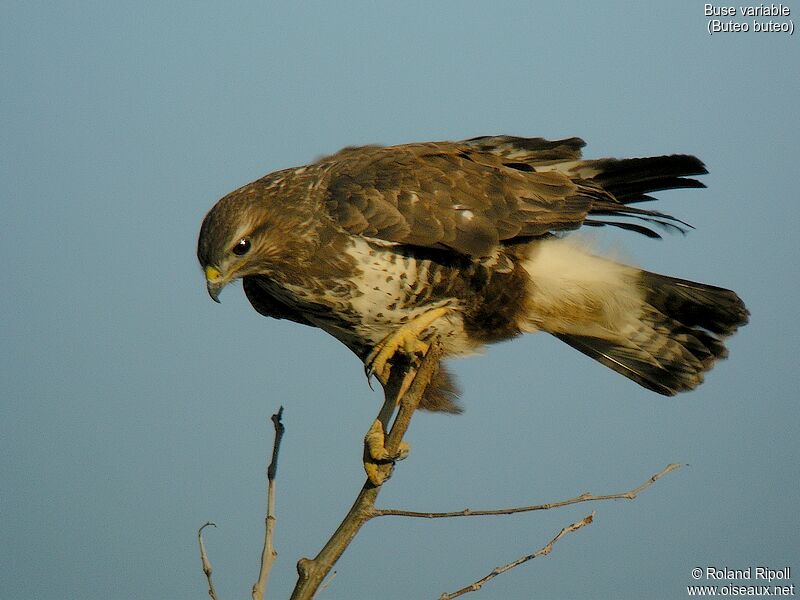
(213, 291)
(214, 282)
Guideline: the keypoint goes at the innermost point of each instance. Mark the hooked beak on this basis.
(214, 282)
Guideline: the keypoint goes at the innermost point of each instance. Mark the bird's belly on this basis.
(368, 331)
(390, 290)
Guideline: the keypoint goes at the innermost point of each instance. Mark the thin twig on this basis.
(545, 550)
(268, 553)
(467, 512)
(312, 571)
(204, 560)
(327, 582)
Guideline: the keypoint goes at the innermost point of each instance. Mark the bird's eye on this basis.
(241, 247)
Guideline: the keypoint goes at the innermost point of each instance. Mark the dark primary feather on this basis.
(630, 180)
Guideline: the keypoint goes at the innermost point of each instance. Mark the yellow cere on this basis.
(212, 273)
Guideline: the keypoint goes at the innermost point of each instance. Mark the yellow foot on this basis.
(378, 462)
(406, 339)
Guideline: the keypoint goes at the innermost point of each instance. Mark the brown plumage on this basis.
(387, 247)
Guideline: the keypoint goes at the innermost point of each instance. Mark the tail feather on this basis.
(662, 332)
(679, 335)
(694, 304)
(636, 364)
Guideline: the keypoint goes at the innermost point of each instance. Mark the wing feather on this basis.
(474, 195)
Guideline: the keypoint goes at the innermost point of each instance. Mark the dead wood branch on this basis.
(205, 562)
(543, 551)
(313, 571)
(467, 512)
(268, 552)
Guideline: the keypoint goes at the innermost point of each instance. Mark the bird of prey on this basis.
(388, 248)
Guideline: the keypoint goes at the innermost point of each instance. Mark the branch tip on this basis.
(207, 524)
(268, 552)
(543, 551)
(585, 497)
(206, 564)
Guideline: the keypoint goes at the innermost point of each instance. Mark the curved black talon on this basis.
(369, 373)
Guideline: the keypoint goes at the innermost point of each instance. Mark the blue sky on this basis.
(134, 409)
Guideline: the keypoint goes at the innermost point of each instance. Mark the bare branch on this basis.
(467, 512)
(204, 560)
(545, 550)
(268, 553)
(313, 571)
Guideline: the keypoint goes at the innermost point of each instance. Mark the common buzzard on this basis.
(386, 248)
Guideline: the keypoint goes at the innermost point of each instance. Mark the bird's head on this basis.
(250, 231)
